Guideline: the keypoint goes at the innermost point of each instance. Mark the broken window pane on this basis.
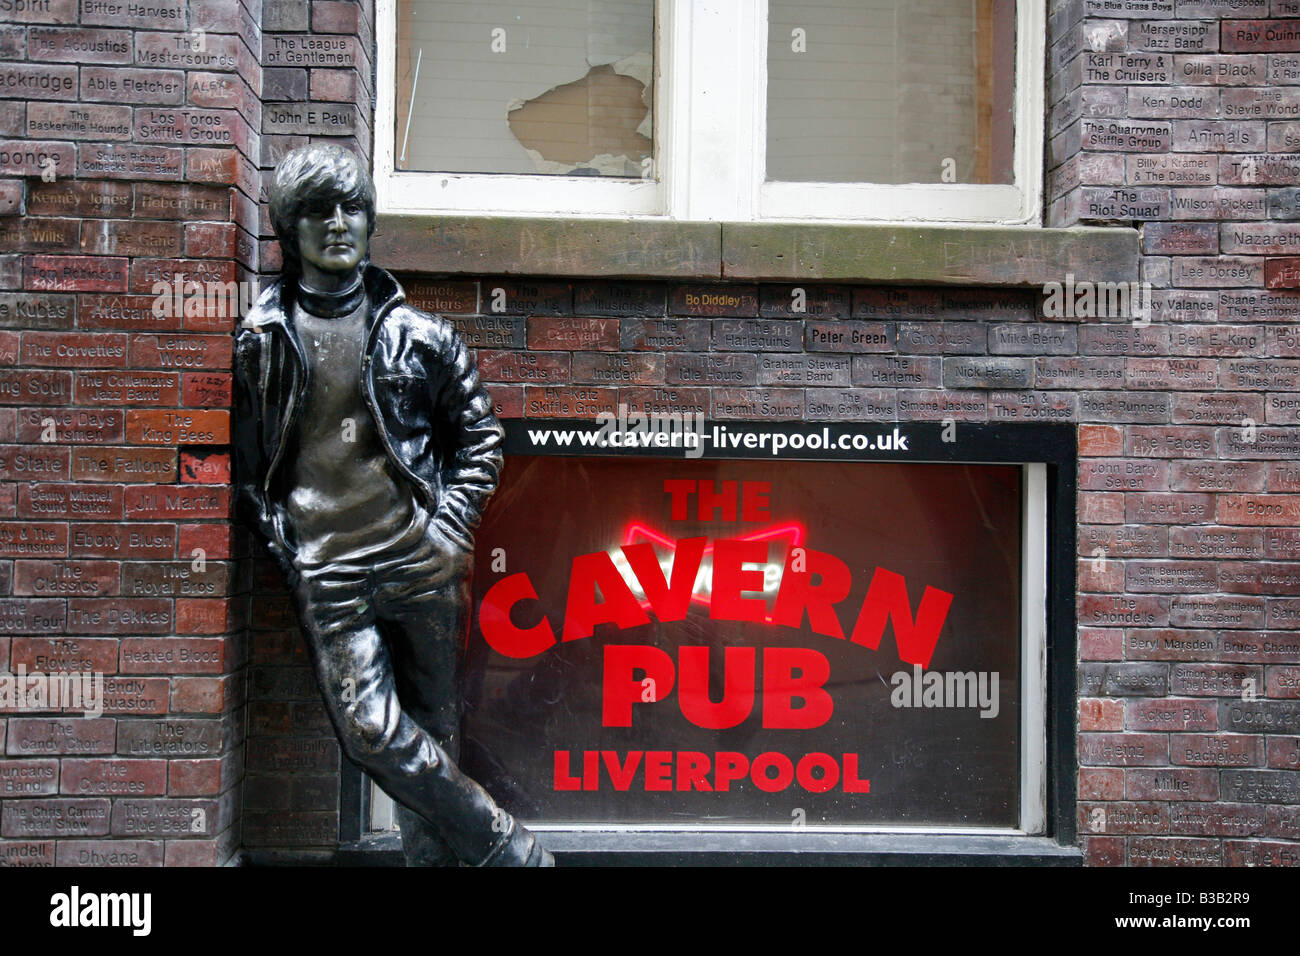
(891, 91)
(559, 87)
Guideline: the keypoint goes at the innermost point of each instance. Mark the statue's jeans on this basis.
(384, 639)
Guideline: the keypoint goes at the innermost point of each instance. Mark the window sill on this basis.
(587, 848)
(766, 251)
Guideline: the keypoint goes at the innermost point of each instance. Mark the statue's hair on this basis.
(310, 177)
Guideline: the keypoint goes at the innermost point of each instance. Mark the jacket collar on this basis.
(274, 305)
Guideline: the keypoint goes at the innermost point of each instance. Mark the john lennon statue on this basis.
(366, 450)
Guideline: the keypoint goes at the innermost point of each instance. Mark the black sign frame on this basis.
(1051, 444)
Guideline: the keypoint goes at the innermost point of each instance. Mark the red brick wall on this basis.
(1187, 541)
(128, 149)
(1185, 117)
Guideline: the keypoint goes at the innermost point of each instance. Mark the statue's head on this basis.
(323, 211)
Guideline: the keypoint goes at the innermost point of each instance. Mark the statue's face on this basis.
(333, 238)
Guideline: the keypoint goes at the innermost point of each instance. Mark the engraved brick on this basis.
(1033, 406)
(757, 335)
(170, 13)
(1123, 680)
(309, 118)
(932, 405)
(132, 86)
(1171, 714)
(805, 301)
(1282, 543)
(1172, 784)
(602, 368)
(804, 369)
(490, 332)
(1098, 610)
(988, 373)
(165, 817)
(41, 501)
(692, 369)
(47, 578)
(1283, 682)
(27, 852)
(1137, 202)
(126, 388)
(33, 158)
(914, 372)
(49, 736)
(1260, 169)
(1123, 541)
(1186, 373)
(38, 81)
(1259, 853)
(173, 737)
(1274, 375)
(22, 388)
(187, 427)
(1216, 408)
(619, 298)
(1282, 273)
(1157, 851)
(1261, 786)
(1079, 372)
(32, 539)
(28, 778)
(1032, 339)
(119, 541)
(1123, 406)
(309, 50)
(122, 161)
(1171, 170)
(1259, 578)
(507, 400)
(656, 335)
(1257, 305)
(205, 390)
(546, 332)
(1126, 135)
(441, 296)
(57, 817)
(936, 338)
(851, 404)
(666, 401)
(77, 45)
(1122, 749)
(1283, 203)
(1127, 68)
(1182, 36)
(778, 404)
(569, 402)
(36, 311)
(1219, 819)
(707, 300)
(1252, 36)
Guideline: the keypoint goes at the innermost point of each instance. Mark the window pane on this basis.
(570, 732)
(559, 87)
(891, 91)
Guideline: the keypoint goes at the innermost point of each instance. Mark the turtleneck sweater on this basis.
(346, 503)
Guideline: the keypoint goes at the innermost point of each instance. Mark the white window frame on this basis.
(710, 135)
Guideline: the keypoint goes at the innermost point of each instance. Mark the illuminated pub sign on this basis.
(811, 634)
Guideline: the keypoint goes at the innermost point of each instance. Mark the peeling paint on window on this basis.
(557, 87)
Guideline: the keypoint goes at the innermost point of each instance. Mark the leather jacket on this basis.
(416, 378)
